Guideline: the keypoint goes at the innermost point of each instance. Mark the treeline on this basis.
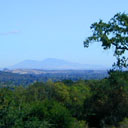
(67, 104)
(11, 79)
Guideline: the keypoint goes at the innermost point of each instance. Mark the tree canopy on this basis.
(114, 33)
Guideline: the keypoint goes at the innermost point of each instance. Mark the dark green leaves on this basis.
(114, 33)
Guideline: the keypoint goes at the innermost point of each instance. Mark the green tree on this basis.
(61, 92)
(109, 101)
(114, 33)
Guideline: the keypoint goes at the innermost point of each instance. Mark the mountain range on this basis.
(55, 64)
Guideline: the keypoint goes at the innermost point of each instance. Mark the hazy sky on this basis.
(39, 29)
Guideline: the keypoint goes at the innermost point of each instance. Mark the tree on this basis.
(107, 104)
(114, 33)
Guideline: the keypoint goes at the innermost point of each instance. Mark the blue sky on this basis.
(39, 29)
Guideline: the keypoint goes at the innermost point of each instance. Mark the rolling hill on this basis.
(55, 64)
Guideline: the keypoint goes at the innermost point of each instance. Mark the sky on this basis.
(40, 29)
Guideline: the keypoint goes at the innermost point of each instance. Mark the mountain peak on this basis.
(53, 64)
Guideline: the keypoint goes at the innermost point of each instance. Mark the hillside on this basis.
(55, 64)
(26, 77)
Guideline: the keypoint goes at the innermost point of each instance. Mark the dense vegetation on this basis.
(14, 79)
(67, 104)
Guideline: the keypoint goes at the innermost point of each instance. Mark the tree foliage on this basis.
(113, 33)
(67, 104)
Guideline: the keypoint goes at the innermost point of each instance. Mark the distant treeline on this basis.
(10, 79)
(67, 104)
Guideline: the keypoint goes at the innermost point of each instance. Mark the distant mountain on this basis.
(55, 64)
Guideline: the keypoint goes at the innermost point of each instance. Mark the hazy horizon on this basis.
(38, 29)
(53, 61)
